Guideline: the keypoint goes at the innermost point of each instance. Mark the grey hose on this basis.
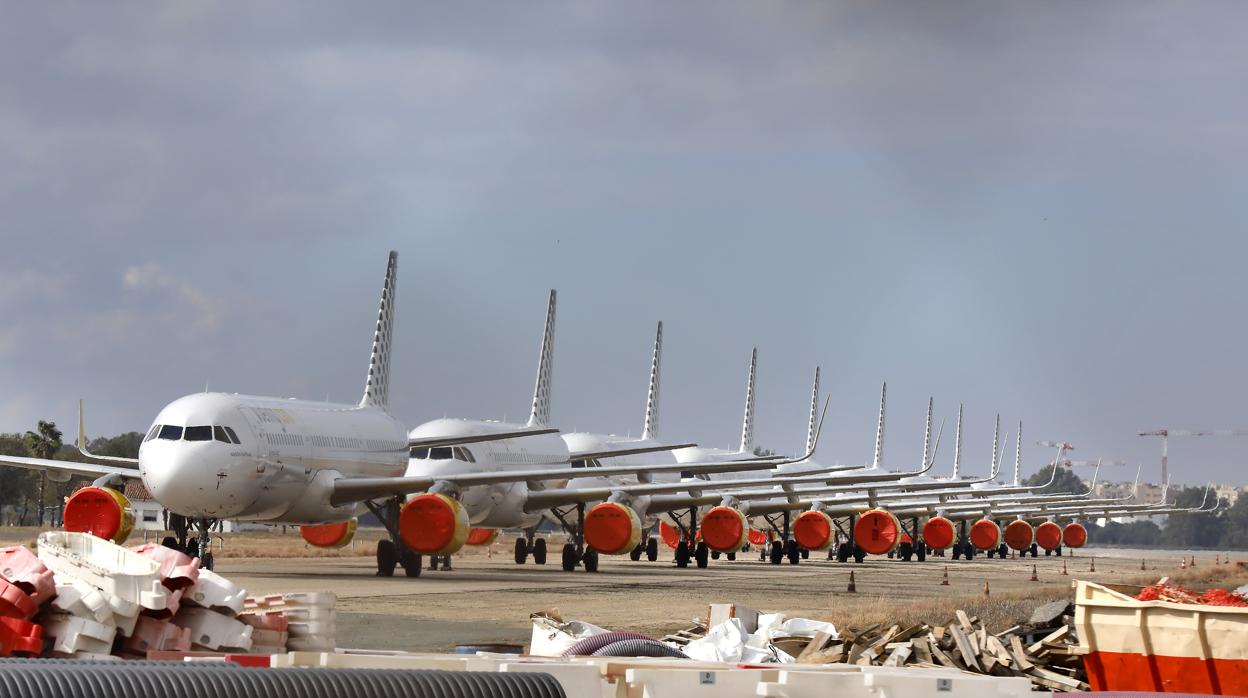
(639, 648)
(593, 643)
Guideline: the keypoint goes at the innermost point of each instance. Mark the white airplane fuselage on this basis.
(282, 468)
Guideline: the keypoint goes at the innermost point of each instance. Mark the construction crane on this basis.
(1165, 435)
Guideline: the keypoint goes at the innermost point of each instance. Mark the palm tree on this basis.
(43, 443)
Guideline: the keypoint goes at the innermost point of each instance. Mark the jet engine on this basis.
(813, 530)
(985, 534)
(877, 532)
(1048, 535)
(724, 529)
(482, 536)
(938, 533)
(1074, 535)
(612, 528)
(1019, 534)
(101, 511)
(332, 535)
(434, 524)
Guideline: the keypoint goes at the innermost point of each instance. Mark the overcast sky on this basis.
(1032, 208)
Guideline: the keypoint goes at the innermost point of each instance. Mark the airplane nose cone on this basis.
(190, 479)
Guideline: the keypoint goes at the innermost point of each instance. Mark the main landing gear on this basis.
(649, 547)
(393, 552)
(574, 551)
(783, 546)
(201, 547)
(686, 550)
(528, 545)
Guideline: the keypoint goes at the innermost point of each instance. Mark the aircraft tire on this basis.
(859, 555)
(905, 551)
(777, 552)
(842, 552)
(171, 543)
(921, 553)
(539, 551)
(1035, 549)
(805, 553)
(652, 549)
(635, 553)
(714, 554)
(412, 562)
(682, 555)
(701, 555)
(522, 551)
(1001, 550)
(793, 551)
(569, 557)
(387, 558)
(591, 560)
(731, 556)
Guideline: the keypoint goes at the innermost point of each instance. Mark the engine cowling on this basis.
(724, 529)
(1074, 535)
(1049, 535)
(612, 528)
(877, 532)
(938, 533)
(1019, 534)
(101, 511)
(434, 524)
(813, 530)
(332, 535)
(670, 534)
(758, 537)
(985, 534)
(482, 536)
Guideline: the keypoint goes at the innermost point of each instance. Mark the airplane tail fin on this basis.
(814, 413)
(650, 429)
(377, 386)
(540, 415)
(877, 461)
(927, 435)
(996, 442)
(957, 445)
(747, 423)
(1018, 456)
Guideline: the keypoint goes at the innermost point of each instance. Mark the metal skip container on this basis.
(1161, 646)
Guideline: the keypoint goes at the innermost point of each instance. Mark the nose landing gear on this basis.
(201, 547)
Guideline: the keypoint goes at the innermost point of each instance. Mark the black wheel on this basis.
(842, 552)
(777, 552)
(1058, 552)
(652, 549)
(1002, 551)
(957, 551)
(859, 555)
(170, 542)
(805, 553)
(793, 552)
(433, 563)
(921, 553)
(591, 560)
(411, 563)
(731, 556)
(539, 551)
(1034, 550)
(968, 552)
(714, 554)
(569, 557)
(905, 551)
(635, 553)
(522, 551)
(682, 554)
(206, 562)
(387, 558)
(1047, 553)
(701, 555)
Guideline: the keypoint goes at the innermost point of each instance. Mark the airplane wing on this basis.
(348, 490)
(70, 467)
(433, 441)
(611, 453)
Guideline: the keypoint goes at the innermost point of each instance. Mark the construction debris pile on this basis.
(85, 597)
(1165, 590)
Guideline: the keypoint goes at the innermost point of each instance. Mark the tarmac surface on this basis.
(489, 600)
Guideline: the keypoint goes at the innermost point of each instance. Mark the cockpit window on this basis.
(441, 453)
(198, 434)
(219, 434)
(420, 453)
(170, 432)
(233, 436)
(151, 434)
(461, 453)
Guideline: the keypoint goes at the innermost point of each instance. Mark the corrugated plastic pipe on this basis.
(41, 679)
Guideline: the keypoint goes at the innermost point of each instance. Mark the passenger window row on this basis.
(170, 432)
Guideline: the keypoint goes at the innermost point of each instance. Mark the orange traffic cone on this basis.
(1182, 563)
(986, 590)
(1193, 564)
(944, 582)
(1217, 559)
(1093, 567)
(1142, 563)
(1064, 567)
(1034, 578)
(853, 588)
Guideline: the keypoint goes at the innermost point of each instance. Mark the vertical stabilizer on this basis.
(877, 461)
(814, 414)
(650, 429)
(747, 423)
(377, 387)
(540, 415)
(957, 445)
(927, 435)
(1018, 456)
(996, 443)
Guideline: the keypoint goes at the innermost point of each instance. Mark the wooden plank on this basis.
(945, 660)
(1051, 637)
(922, 651)
(817, 643)
(899, 656)
(969, 656)
(1063, 681)
(965, 622)
(1020, 656)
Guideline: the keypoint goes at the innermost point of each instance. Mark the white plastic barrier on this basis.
(178, 570)
(892, 682)
(20, 567)
(105, 565)
(211, 590)
(694, 683)
(66, 634)
(312, 620)
(151, 634)
(577, 679)
(213, 630)
(78, 598)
